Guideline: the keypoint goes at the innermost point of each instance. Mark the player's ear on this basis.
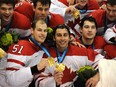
(33, 8)
(80, 30)
(31, 30)
(54, 38)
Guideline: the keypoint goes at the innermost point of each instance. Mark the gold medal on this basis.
(60, 67)
(76, 14)
(51, 61)
(2, 53)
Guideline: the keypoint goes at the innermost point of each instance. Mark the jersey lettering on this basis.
(17, 49)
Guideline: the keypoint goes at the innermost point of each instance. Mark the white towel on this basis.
(107, 69)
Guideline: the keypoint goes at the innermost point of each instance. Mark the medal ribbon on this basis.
(41, 46)
(61, 58)
(83, 10)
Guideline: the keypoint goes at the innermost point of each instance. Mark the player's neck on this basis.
(34, 43)
(87, 41)
(4, 23)
(61, 49)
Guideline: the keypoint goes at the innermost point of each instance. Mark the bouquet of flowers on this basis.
(7, 38)
(49, 38)
(84, 73)
(49, 32)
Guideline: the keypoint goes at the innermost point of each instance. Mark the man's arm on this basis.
(92, 82)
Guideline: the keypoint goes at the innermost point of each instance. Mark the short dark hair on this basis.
(43, 2)
(111, 2)
(61, 26)
(7, 2)
(88, 18)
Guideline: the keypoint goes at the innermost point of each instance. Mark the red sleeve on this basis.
(26, 9)
(110, 51)
(93, 5)
(55, 20)
(99, 15)
(100, 41)
(22, 23)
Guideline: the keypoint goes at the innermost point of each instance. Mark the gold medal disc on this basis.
(51, 61)
(76, 14)
(60, 67)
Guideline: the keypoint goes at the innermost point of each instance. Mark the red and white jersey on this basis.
(110, 51)
(21, 57)
(110, 33)
(92, 6)
(53, 19)
(98, 44)
(102, 21)
(59, 7)
(75, 58)
(3, 63)
(19, 24)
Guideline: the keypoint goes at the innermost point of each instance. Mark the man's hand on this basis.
(78, 44)
(42, 64)
(58, 77)
(70, 9)
(92, 82)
